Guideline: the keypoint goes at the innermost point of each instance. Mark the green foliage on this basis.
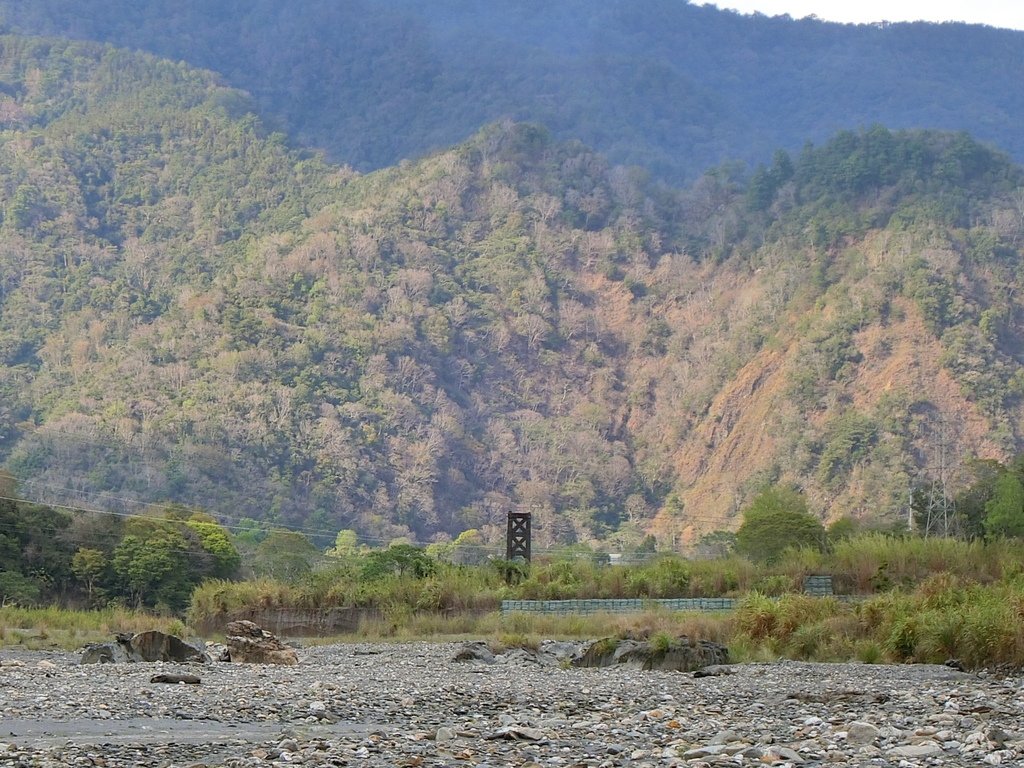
(152, 566)
(717, 544)
(284, 555)
(36, 559)
(346, 544)
(972, 499)
(1004, 512)
(88, 565)
(934, 298)
(776, 519)
(666, 577)
(399, 560)
(217, 542)
(842, 529)
(848, 440)
(17, 589)
(766, 182)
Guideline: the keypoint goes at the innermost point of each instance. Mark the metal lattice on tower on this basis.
(518, 536)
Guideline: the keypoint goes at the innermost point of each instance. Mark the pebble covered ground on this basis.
(411, 705)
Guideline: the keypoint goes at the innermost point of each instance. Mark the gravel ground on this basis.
(411, 705)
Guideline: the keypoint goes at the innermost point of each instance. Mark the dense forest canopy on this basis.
(665, 84)
(192, 311)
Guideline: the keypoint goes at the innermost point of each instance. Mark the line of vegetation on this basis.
(944, 618)
(55, 627)
(921, 597)
(923, 600)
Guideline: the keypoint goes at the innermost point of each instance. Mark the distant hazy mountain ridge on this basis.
(664, 84)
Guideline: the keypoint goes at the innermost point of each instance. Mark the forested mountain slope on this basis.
(674, 87)
(191, 311)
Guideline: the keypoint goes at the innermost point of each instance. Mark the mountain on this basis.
(673, 87)
(192, 311)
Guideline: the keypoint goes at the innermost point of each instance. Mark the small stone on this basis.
(997, 736)
(925, 749)
(708, 751)
(779, 754)
(859, 733)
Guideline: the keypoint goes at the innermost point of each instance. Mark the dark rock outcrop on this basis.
(249, 644)
(475, 651)
(682, 654)
(144, 647)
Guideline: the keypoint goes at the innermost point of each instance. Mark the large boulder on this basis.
(142, 647)
(250, 644)
(157, 646)
(116, 652)
(475, 651)
(550, 653)
(682, 654)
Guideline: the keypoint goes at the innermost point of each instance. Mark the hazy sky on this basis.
(996, 13)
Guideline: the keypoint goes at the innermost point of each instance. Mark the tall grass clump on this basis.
(722, 577)
(562, 579)
(873, 562)
(991, 630)
(666, 577)
(216, 600)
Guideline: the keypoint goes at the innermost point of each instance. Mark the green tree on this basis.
(1004, 512)
(776, 519)
(346, 543)
(841, 529)
(398, 560)
(468, 548)
(284, 555)
(215, 539)
(717, 544)
(17, 589)
(972, 500)
(88, 565)
(153, 565)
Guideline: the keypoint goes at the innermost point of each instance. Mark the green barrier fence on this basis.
(618, 606)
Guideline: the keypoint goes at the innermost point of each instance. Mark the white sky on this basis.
(996, 13)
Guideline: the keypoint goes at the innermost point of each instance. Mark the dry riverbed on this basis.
(411, 705)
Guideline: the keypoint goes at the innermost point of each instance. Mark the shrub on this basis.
(661, 643)
(901, 641)
(757, 616)
(773, 586)
(807, 640)
(868, 652)
(776, 519)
